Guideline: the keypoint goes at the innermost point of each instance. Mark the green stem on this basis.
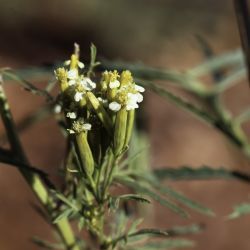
(34, 181)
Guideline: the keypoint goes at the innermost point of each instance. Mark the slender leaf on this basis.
(81, 222)
(240, 210)
(234, 58)
(184, 200)
(185, 230)
(134, 197)
(165, 190)
(25, 84)
(65, 200)
(168, 244)
(65, 214)
(46, 245)
(179, 101)
(200, 173)
(134, 225)
(140, 234)
(146, 191)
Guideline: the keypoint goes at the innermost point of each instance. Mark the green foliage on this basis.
(240, 210)
(106, 159)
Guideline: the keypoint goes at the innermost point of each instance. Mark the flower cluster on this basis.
(106, 106)
(121, 90)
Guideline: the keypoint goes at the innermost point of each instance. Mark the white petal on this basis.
(78, 96)
(114, 84)
(131, 106)
(72, 74)
(58, 109)
(80, 65)
(87, 126)
(139, 97)
(71, 115)
(132, 101)
(67, 62)
(139, 88)
(115, 106)
(88, 84)
(72, 82)
(132, 97)
(71, 131)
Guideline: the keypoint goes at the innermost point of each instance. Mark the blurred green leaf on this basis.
(93, 62)
(165, 190)
(185, 230)
(46, 245)
(168, 244)
(179, 101)
(240, 210)
(231, 59)
(65, 200)
(184, 200)
(65, 214)
(81, 222)
(134, 225)
(200, 173)
(140, 234)
(138, 187)
(25, 84)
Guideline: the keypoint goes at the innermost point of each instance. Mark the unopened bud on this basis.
(100, 111)
(120, 131)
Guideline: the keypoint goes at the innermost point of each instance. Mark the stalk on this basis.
(63, 227)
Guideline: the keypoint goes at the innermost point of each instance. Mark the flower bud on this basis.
(100, 111)
(61, 76)
(126, 78)
(120, 131)
(130, 125)
(85, 153)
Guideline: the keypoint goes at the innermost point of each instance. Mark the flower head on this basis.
(128, 94)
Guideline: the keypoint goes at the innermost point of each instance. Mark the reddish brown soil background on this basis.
(158, 33)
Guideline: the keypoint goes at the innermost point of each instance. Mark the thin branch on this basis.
(242, 14)
(34, 181)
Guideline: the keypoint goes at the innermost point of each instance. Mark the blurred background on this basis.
(159, 33)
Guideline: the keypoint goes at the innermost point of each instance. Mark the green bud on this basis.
(74, 61)
(61, 76)
(100, 111)
(85, 153)
(130, 125)
(126, 78)
(120, 131)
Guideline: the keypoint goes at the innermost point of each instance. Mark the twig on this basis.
(241, 10)
(33, 179)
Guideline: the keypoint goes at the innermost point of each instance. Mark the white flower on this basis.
(87, 126)
(115, 106)
(72, 74)
(71, 131)
(114, 84)
(67, 62)
(139, 88)
(80, 65)
(132, 102)
(78, 96)
(139, 97)
(57, 109)
(87, 83)
(71, 115)
(72, 82)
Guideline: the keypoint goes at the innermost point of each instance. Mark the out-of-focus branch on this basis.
(33, 179)
(242, 14)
